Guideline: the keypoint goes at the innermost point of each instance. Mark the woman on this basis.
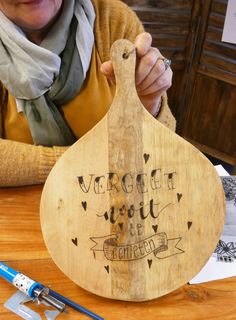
(57, 80)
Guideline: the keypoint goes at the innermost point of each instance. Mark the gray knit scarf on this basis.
(43, 78)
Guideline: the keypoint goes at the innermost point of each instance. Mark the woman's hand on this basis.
(152, 77)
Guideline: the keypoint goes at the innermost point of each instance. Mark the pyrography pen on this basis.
(40, 293)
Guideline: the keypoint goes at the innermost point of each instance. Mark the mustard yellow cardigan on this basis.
(21, 162)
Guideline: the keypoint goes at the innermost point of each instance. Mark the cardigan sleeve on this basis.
(24, 164)
(20, 163)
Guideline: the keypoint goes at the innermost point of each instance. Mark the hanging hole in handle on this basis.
(127, 54)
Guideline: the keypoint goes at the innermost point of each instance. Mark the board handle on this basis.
(123, 57)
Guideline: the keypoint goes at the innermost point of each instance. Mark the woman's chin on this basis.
(32, 15)
(34, 23)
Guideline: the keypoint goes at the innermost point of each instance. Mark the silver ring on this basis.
(167, 63)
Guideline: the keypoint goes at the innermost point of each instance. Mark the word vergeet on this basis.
(128, 182)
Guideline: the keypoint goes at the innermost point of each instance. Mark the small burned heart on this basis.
(189, 224)
(149, 263)
(107, 268)
(84, 205)
(75, 241)
(154, 227)
(146, 157)
(179, 196)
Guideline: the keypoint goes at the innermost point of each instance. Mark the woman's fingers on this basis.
(156, 83)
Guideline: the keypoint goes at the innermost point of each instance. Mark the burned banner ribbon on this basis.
(158, 244)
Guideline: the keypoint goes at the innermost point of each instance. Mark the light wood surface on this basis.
(129, 211)
(22, 247)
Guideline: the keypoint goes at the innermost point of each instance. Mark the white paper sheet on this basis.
(229, 31)
(221, 170)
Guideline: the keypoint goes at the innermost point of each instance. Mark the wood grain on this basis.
(201, 122)
(136, 206)
(213, 300)
(19, 219)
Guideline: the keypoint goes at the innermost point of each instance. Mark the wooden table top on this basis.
(22, 248)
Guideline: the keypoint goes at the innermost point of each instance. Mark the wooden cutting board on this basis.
(131, 211)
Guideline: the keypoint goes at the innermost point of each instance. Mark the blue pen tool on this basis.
(38, 292)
